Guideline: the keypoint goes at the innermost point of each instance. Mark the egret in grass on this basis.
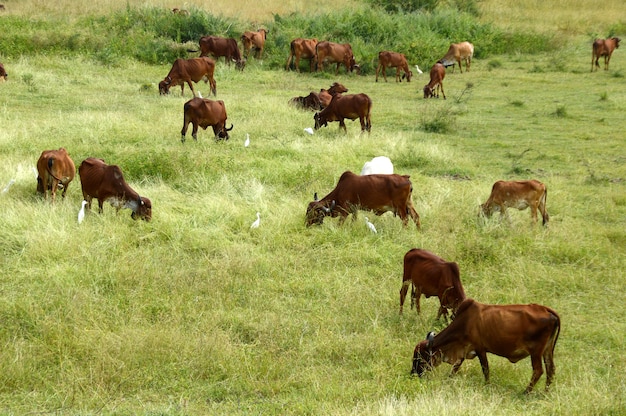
(35, 172)
(419, 71)
(370, 225)
(6, 188)
(309, 130)
(247, 142)
(256, 223)
(81, 213)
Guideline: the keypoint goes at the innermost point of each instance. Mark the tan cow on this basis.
(254, 40)
(519, 195)
(335, 53)
(388, 59)
(603, 47)
(301, 48)
(55, 168)
(188, 70)
(458, 52)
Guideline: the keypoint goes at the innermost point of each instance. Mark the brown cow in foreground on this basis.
(517, 194)
(351, 106)
(458, 52)
(3, 73)
(437, 74)
(603, 47)
(204, 113)
(188, 70)
(377, 193)
(254, 40)
(301, 48)
(393, 60)
(217, 47)
(432, 276)
(510, 331)
(335, 53)
(106, 183)
(55, 169)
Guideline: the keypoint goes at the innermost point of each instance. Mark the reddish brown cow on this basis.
(326, 96)
(188, 70)
(432, 276)
(217, 47)
(204, 113)
(517, 194)
(377, 193)
(106, 183)
(510, 331)
(437, 74)
(254, 40)
(335, 53)
(301, 48)
(351, 106)
(318, 101)
(603, 47)
(55, 169)
(458, 52)
(393, 60)
(3, 73)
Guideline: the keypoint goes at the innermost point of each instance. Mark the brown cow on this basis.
(188, 70)
(318, 101)
(181, 12)
(3, 73)
(301, 48)
(106, 183)
(603, 47)
(351, 106)
(458, 52)
(437, 74)
(254, 40)
(55, 169)
(393, 60)
(335, 53)
(217, 47)
(517, 194)
(377, 193)
(204, 113)
(510, 331)
(432, 276)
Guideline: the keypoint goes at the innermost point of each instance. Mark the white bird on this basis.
(247, 142)
(419, 71)
(370, 225)
(256, 223)
(35, 172)
(309, 130)
(6, 188)
(81, 213)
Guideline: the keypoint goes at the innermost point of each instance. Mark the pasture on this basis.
(196, 313)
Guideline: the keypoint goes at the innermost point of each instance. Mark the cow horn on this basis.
(430, 337)
(315, 196)
(332, 206)
(231, 127)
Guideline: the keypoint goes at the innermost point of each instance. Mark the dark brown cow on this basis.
(351, 106)
(318, 101)
(301, 48)
(335, 53)
(106, 183)
(388, 59)
(517, 194)
(217, 47)
(437, 74)
(432, 276)
(510, 331)
(326, 96)
(188, 70)
(377, 193)
(55, 168)
(3, 73)
(603, 47)
(458, 52)
(254, 40)
(204, 113)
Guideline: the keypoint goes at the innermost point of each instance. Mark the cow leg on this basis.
(442, 92)
(194, 132)
(377, 71)
(456, 366)
(100, 204)
(403, 290)
(398, 79)
(193, 90)
(412, 295)
(484, 364)
(213, 85)
(342, 125)
(64, 189)
(537, 372)
(337, 69)
(442, 311)
(414, 215)
(418, 295)
(183, 131)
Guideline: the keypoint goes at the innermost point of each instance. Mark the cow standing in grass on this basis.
(603, 47)
(188, 71)
(55, 169)
(437, 74)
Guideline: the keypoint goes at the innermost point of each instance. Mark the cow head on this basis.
(320, 120)
(164, 86)
(428, 92)
(317, 210)
(408, 75)
(221, 132)
(240, 64)
(144, 209)
(424, 359)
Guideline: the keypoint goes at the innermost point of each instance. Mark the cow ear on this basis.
(430, 337)
(315, 196)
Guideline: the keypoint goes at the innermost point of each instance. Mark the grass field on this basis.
(194, 313)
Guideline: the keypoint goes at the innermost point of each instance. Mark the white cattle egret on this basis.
(247, 142)
(309, 130)
(256, 223)
(370, 225)
(419, 71)
(6, 188)
(35, 172)
(81, 213)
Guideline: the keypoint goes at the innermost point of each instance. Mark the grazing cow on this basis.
(254, 40)
(379, 165)
(510, 331)
(318, 101)
(517, 194)
(351, 106)
(335, 53)
(188, 70)
(204, 113)
(217, 47)
(326, 96)
(603, 47)
(181, 12)
(55, 169)
(3, 73)
(393, 60)
(458, 52)
(106, 183)
(432, 276)
(437, 74)
(301, 48)
(377, 193)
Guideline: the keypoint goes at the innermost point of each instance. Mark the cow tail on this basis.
(556, 331)
(50, 163)
(544, 211)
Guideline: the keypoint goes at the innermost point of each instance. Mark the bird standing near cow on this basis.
(603, 48)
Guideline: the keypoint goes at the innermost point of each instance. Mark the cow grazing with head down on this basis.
(188, 70)
(204, 113)
(437, 74)
(517, 194)
(377, 193)
(457, 53)
(3, 73)
(55, 169)
(254, 40)
(335, 53)
(388, 59)
(510, 331)
(106, 183)
(603, 47)
(351, 106)
(431, 275)
(217, 47)
(301, 48)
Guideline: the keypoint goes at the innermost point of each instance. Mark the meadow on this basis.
(195, 313)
